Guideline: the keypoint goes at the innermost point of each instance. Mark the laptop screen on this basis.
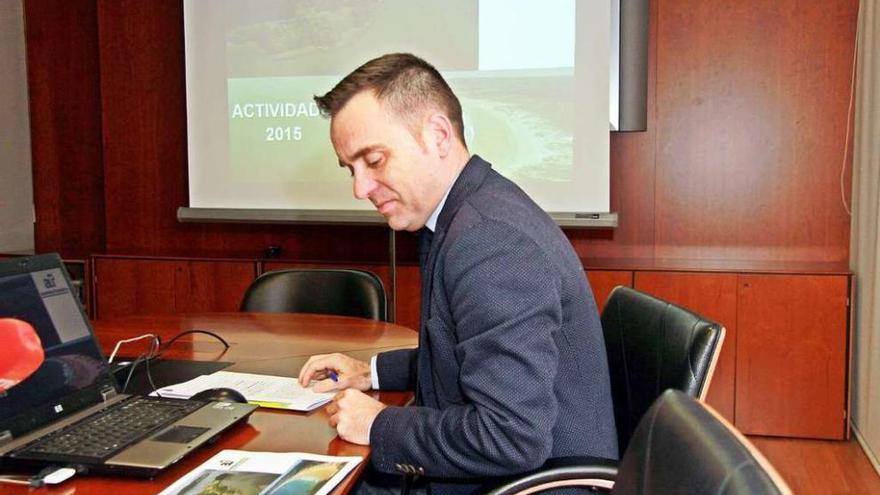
(50, 362)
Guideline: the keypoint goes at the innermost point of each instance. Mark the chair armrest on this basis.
(599, 475)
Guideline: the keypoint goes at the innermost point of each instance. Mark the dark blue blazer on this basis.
(511, 367)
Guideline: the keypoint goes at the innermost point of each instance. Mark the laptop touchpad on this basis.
(180, 434)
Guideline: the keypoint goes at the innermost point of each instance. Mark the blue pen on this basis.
(333, 376)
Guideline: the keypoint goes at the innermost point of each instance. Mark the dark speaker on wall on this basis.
(633, 56)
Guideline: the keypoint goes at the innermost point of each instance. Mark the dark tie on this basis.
(425, 237)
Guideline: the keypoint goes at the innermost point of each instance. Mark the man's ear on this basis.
(439, 133)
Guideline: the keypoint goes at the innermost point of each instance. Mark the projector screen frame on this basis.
(631, 88)
(353, 217)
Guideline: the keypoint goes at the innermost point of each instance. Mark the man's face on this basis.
(390, 167)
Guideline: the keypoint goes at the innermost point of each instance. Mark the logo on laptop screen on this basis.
(49, 281)
(58, 408)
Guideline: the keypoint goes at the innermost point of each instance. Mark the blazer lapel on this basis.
(469, 180)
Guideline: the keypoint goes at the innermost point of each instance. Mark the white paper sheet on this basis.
(264, 390)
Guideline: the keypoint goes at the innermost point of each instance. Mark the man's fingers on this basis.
(326, 385)
(352, 412)
(312, 366)
(348, 372)
(333, 405)
(306, 370)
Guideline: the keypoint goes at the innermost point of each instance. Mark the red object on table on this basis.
(21, 352)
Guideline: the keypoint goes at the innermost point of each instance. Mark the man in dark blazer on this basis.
(511, 369)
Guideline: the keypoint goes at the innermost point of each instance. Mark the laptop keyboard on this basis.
(102, 435)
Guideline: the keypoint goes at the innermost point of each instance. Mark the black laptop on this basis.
(59, 402)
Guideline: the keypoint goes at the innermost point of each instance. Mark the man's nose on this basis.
(364, 185)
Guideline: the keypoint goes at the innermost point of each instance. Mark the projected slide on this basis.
(532, 77)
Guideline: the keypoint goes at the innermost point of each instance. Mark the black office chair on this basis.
(325, 291)
(680, 447)
(652, 346)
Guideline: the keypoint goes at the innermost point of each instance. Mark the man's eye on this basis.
(374, 163)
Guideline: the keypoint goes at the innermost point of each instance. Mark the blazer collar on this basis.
(471, 177)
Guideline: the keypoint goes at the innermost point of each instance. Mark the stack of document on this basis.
(265, 473)
(263, 390)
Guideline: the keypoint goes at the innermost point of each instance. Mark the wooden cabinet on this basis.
(782, 369)
(712, 295)
(131, 286)
(604, 281)
(408, 296)
(792, 355)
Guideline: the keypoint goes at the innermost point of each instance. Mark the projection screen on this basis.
(532, 77)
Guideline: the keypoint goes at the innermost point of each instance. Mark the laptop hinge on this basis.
(5, 437)
(108, 393)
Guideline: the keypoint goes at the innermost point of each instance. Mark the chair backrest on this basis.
(652, 346)
(325, 291)
(681, 447)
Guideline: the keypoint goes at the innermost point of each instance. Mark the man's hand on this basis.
(352, 413)
(350, 373)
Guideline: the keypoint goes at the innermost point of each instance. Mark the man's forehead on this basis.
(359, 126)
(355, 116)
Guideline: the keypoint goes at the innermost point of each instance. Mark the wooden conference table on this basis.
(267, 343)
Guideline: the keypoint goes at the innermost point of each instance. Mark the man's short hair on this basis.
(406, 83)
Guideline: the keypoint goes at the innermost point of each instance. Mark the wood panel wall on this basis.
(751, 120)
(65, 117)
(741, 160)
(746, 138)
